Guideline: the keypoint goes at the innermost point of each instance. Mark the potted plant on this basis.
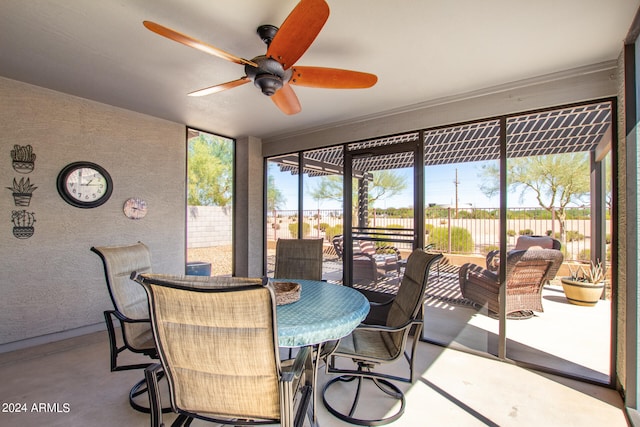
(585, 285)
(22, 191)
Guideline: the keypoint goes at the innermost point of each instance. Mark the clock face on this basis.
(135, 208)
(84, 185)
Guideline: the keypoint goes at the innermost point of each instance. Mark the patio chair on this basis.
(370, 263)
(527, 272)
(524, 242)
(371, 345)
(218, 348)
(130, 310)
(298, 259)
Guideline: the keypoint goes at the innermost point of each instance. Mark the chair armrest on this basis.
(381, 304)
(126, 319)
(410, 323)
(493, 260)
(478, 276)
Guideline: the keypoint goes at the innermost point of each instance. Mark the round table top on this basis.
(324, 312)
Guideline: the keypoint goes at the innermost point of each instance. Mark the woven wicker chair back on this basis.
(533, 266)
(542, 242)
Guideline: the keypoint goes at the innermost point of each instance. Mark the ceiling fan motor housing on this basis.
(269, 75)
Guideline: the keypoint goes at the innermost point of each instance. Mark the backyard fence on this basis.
(462, 231)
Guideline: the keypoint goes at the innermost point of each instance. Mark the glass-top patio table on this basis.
(324, 312)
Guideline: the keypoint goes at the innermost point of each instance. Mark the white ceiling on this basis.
(420, 50)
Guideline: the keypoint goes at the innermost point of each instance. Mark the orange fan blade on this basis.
(221, 87)
(331, 78)
(194, 43)
(287, 100)
(298, 31)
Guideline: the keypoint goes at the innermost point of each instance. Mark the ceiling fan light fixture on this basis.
(268, 83)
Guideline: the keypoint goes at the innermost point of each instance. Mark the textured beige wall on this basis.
(51, 283)
(622, 231)
(249, 217)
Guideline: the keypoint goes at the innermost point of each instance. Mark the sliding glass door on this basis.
(380, 207)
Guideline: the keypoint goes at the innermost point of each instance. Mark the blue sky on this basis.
(439, 188)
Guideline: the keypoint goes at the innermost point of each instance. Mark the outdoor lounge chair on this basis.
(298, 259)
(524, 242)
(218, 347)
(527, 272)
(370, 263)
(371, 345)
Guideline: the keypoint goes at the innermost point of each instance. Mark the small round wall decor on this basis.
(84, 185)
(135, 208)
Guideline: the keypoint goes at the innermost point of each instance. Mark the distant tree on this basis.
(210, 170)
(275, 198)
(555, 180)
(385, 184)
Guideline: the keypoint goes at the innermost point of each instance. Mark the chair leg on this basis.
(142, 387)
(386, 386)
(151, 377)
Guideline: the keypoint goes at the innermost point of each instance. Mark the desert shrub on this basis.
(584, 255)
(489, 248)
(332, 231)
(293, 229)
(526, 232)
(511, 233)
(323, 226)
(428, 228)
(461, 240)
(574, 236)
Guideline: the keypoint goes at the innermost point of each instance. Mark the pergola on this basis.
(567, 130)
(571, 129)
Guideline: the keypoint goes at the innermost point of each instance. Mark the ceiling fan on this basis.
(275, 72)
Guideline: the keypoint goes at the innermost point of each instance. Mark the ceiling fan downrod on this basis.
(269, 75)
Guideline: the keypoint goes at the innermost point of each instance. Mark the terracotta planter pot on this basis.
(581, 293)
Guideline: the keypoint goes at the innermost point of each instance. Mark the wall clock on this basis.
(84, 185)
(135, 208)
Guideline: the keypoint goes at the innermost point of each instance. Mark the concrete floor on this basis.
(452, 388)
(565, 337)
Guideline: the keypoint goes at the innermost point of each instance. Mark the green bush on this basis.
(461, 240)
(490, 248)
(428, 228)
(526, 232)
(332, 231)
(323, 226)
(574, 236)
(584, 255)
(293, 229)
(511, 233)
